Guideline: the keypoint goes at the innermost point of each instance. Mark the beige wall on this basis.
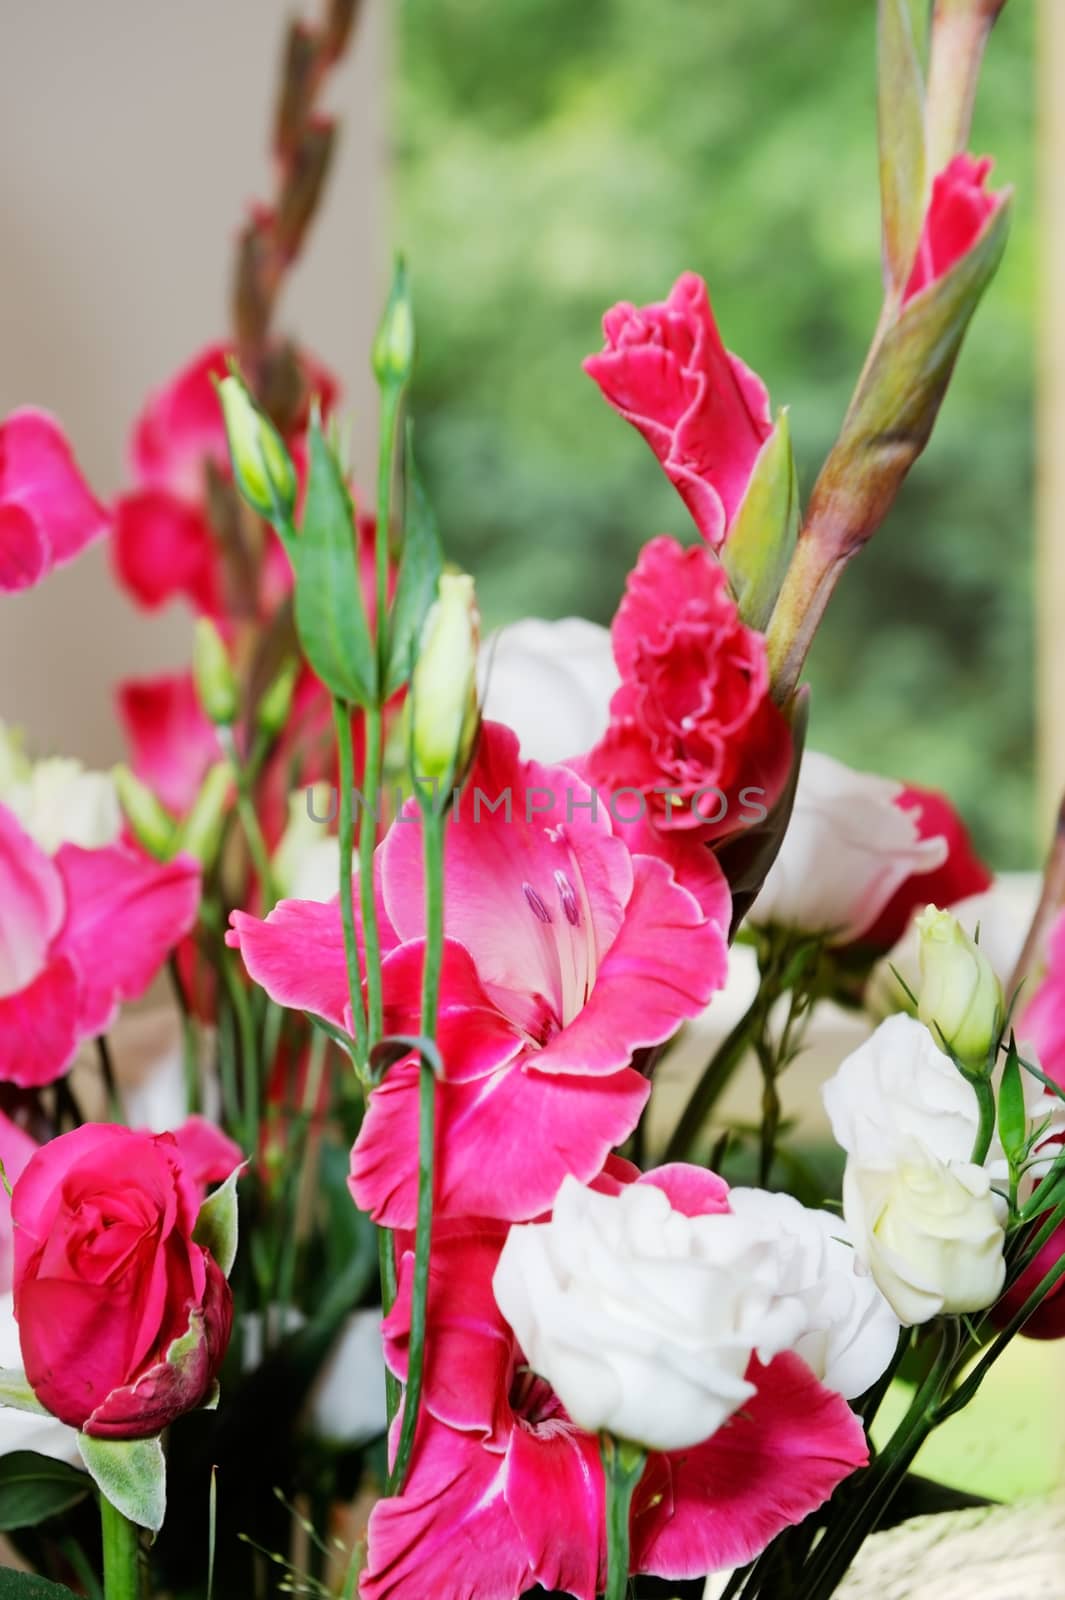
(131, 134)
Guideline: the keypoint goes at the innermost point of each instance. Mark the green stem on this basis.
(346, 757)
(717, 1074)
(623, 1465)
(260, 855)
(371, 933)
(123, 1573)
(985, 1131)
(190, 1050)
(249, 1055)
(433, 825)
(391, 401)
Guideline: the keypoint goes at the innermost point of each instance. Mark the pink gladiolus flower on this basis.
(48, 514)
(80, 931)
(959, 211)
(961, 875)
(500, 1471)
(164, 544)
(564, 954)
(171, 741)
(703, 412)
(693, 729)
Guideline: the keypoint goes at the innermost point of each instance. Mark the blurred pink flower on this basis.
(48, 514)
(703, 412)
(80, 932)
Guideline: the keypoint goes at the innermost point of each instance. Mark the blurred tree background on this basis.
(554, 157)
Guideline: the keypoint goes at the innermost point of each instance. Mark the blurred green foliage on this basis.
(554, 157)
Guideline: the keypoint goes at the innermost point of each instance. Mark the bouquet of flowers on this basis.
(392, 1280)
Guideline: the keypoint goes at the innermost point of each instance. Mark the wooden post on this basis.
(1050, 411)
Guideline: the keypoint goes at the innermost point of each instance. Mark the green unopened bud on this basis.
(261, 464)
(961, 998)
(276, 703)
(201, 833)
(152, 825)
(444, 685)
(216, 682)
(393, 348)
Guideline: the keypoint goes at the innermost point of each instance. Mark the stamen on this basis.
(536, 903)
(569, 899)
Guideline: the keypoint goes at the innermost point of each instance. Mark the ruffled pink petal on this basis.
(38, 473)
(125, 913)
(504, 1143)
(503, 895)
(163, 547)
(181, 426)
(689, 1189)
(555, 1491)
(297, 956)
(24, 550)
(663, 967)
(469, 1356)
(692, 862)
(771, 1465)
(39, 1027)
(171, 741)
(704, 413)
(450, 1534)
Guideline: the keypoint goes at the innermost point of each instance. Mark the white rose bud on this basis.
(930, 1232)
(961, 998)
(444, 683)
(642, 1319)
(261, 464)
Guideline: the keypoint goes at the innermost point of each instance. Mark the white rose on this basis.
(851, 1332)
(643, 1319)
(932, 1234)
(306, 863)
(848, 848)
(551, 682)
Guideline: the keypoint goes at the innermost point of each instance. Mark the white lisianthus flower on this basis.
(848, 848)
(933, 1233)
(852, 1332)
(58, 801)
(641, 1318)
(551, 682)
(306, 863)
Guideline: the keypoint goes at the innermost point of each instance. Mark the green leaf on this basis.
(763, 534)
(132, 1475)
(1012, 1112)
(27, 1586)
(330, 611)
(901, 120)
(420, 568)
(16, 1393)
(216, 1223)
(34, 1487)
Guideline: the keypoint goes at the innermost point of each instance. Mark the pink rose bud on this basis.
(703, 412)
(123, 1318)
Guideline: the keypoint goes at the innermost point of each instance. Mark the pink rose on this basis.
(958, 213)
(703, 412)
(123, 1319)
(692, 728)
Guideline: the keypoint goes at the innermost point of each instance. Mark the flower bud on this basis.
(393, 348)
(153, 826)
(930, 1233)
(444, 685)
(261, 464)
(216, 682)
(276, 703)
(961, 998)
(200, 835)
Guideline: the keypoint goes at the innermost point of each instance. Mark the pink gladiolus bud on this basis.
(957, 214)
